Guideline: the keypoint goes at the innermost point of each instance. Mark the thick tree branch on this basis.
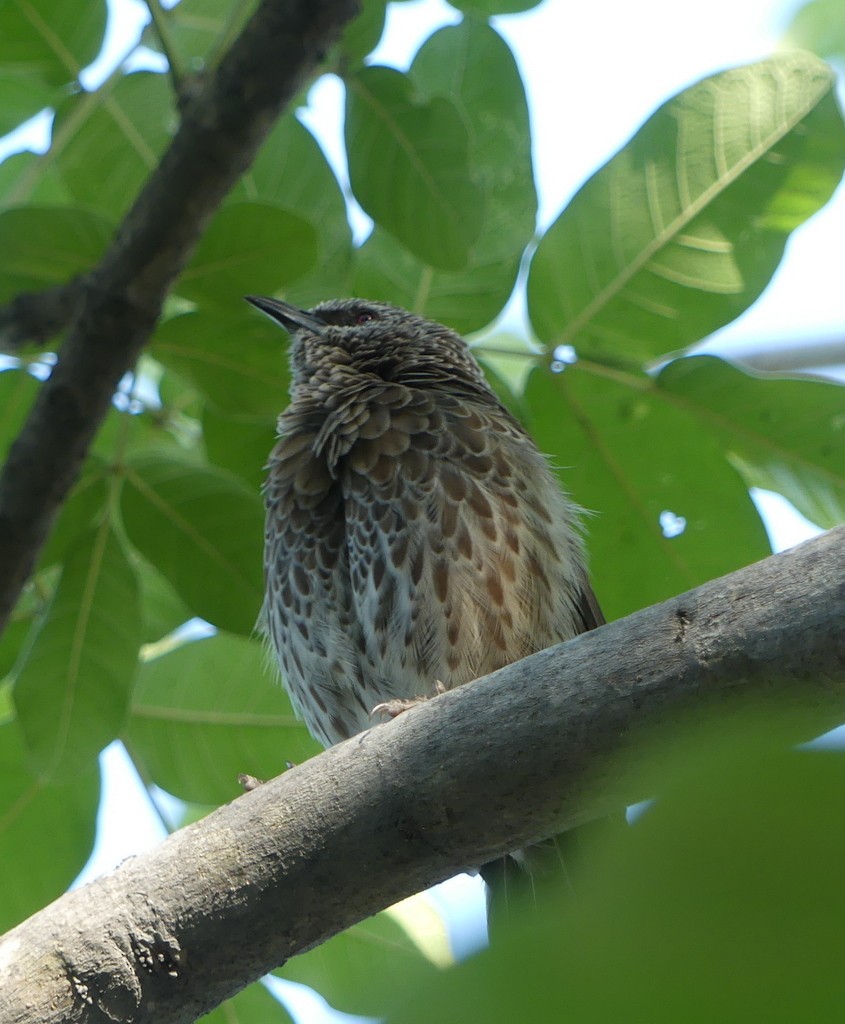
(454, 782)
(221, 130)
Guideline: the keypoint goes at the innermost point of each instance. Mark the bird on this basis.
(415, 537)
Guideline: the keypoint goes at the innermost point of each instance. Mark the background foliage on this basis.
(674, 237)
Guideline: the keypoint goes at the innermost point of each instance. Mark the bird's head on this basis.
(344, 338)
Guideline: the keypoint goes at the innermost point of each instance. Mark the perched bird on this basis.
(415, 537)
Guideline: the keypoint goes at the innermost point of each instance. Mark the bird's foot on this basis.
(249, 782)
(394, 708)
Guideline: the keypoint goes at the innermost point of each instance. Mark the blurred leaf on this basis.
(236, 359)
(41, 246)
(291, 171)
(46, 831)
(240, 446)
(470, 64)
(408, 167)
(17, 393)
(162, 608)
(683, 228)
(12, 641)
(28, 177)
(365, 969)
(202, 529)
(51, 39)
(72, 691)
(106, 143)
(209, 710)
(644, 465)
(363, 33)
(21, 97)
(198, 30)
(784, 435)
(86, 502)
(254, 1005)
(248, 249)
(819, 26)
(490, 8)
(723, 903)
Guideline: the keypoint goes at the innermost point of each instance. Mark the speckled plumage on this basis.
(414, 533)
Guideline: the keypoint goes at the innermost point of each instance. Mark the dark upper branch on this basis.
(464, 777)
(119, 301)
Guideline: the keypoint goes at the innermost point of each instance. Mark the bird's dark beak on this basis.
(290, 317)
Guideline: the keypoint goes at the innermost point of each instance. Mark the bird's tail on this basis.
(527, 879)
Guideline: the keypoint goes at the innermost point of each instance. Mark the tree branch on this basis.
(35, 317)
(466, 776)
(120, 301)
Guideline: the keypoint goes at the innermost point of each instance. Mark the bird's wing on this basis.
(463, 552)
(308, 614)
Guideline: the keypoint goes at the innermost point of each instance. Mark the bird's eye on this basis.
(363, 318)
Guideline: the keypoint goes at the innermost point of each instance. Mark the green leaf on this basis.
(198, 30)
(203, 531)
(12, 641)
(162, 608)
(21, 97)
(470, 64)
(249, 248)
(365, 969)
(46, 830)
(42, 246)
(28, 177)
(291, 171)
(819, 26)
(237, 360)
(86, 503)
(51, 39)
(106, 143)
(784, 435)
(361, 36)
(254, 1005)
(408, 167)
(680, 232)
(17, 393)
(72, 691)
(636, 460)
(206, 712)
(490, 8)
(240, 446)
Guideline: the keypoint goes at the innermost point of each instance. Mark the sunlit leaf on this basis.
(681, 231)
